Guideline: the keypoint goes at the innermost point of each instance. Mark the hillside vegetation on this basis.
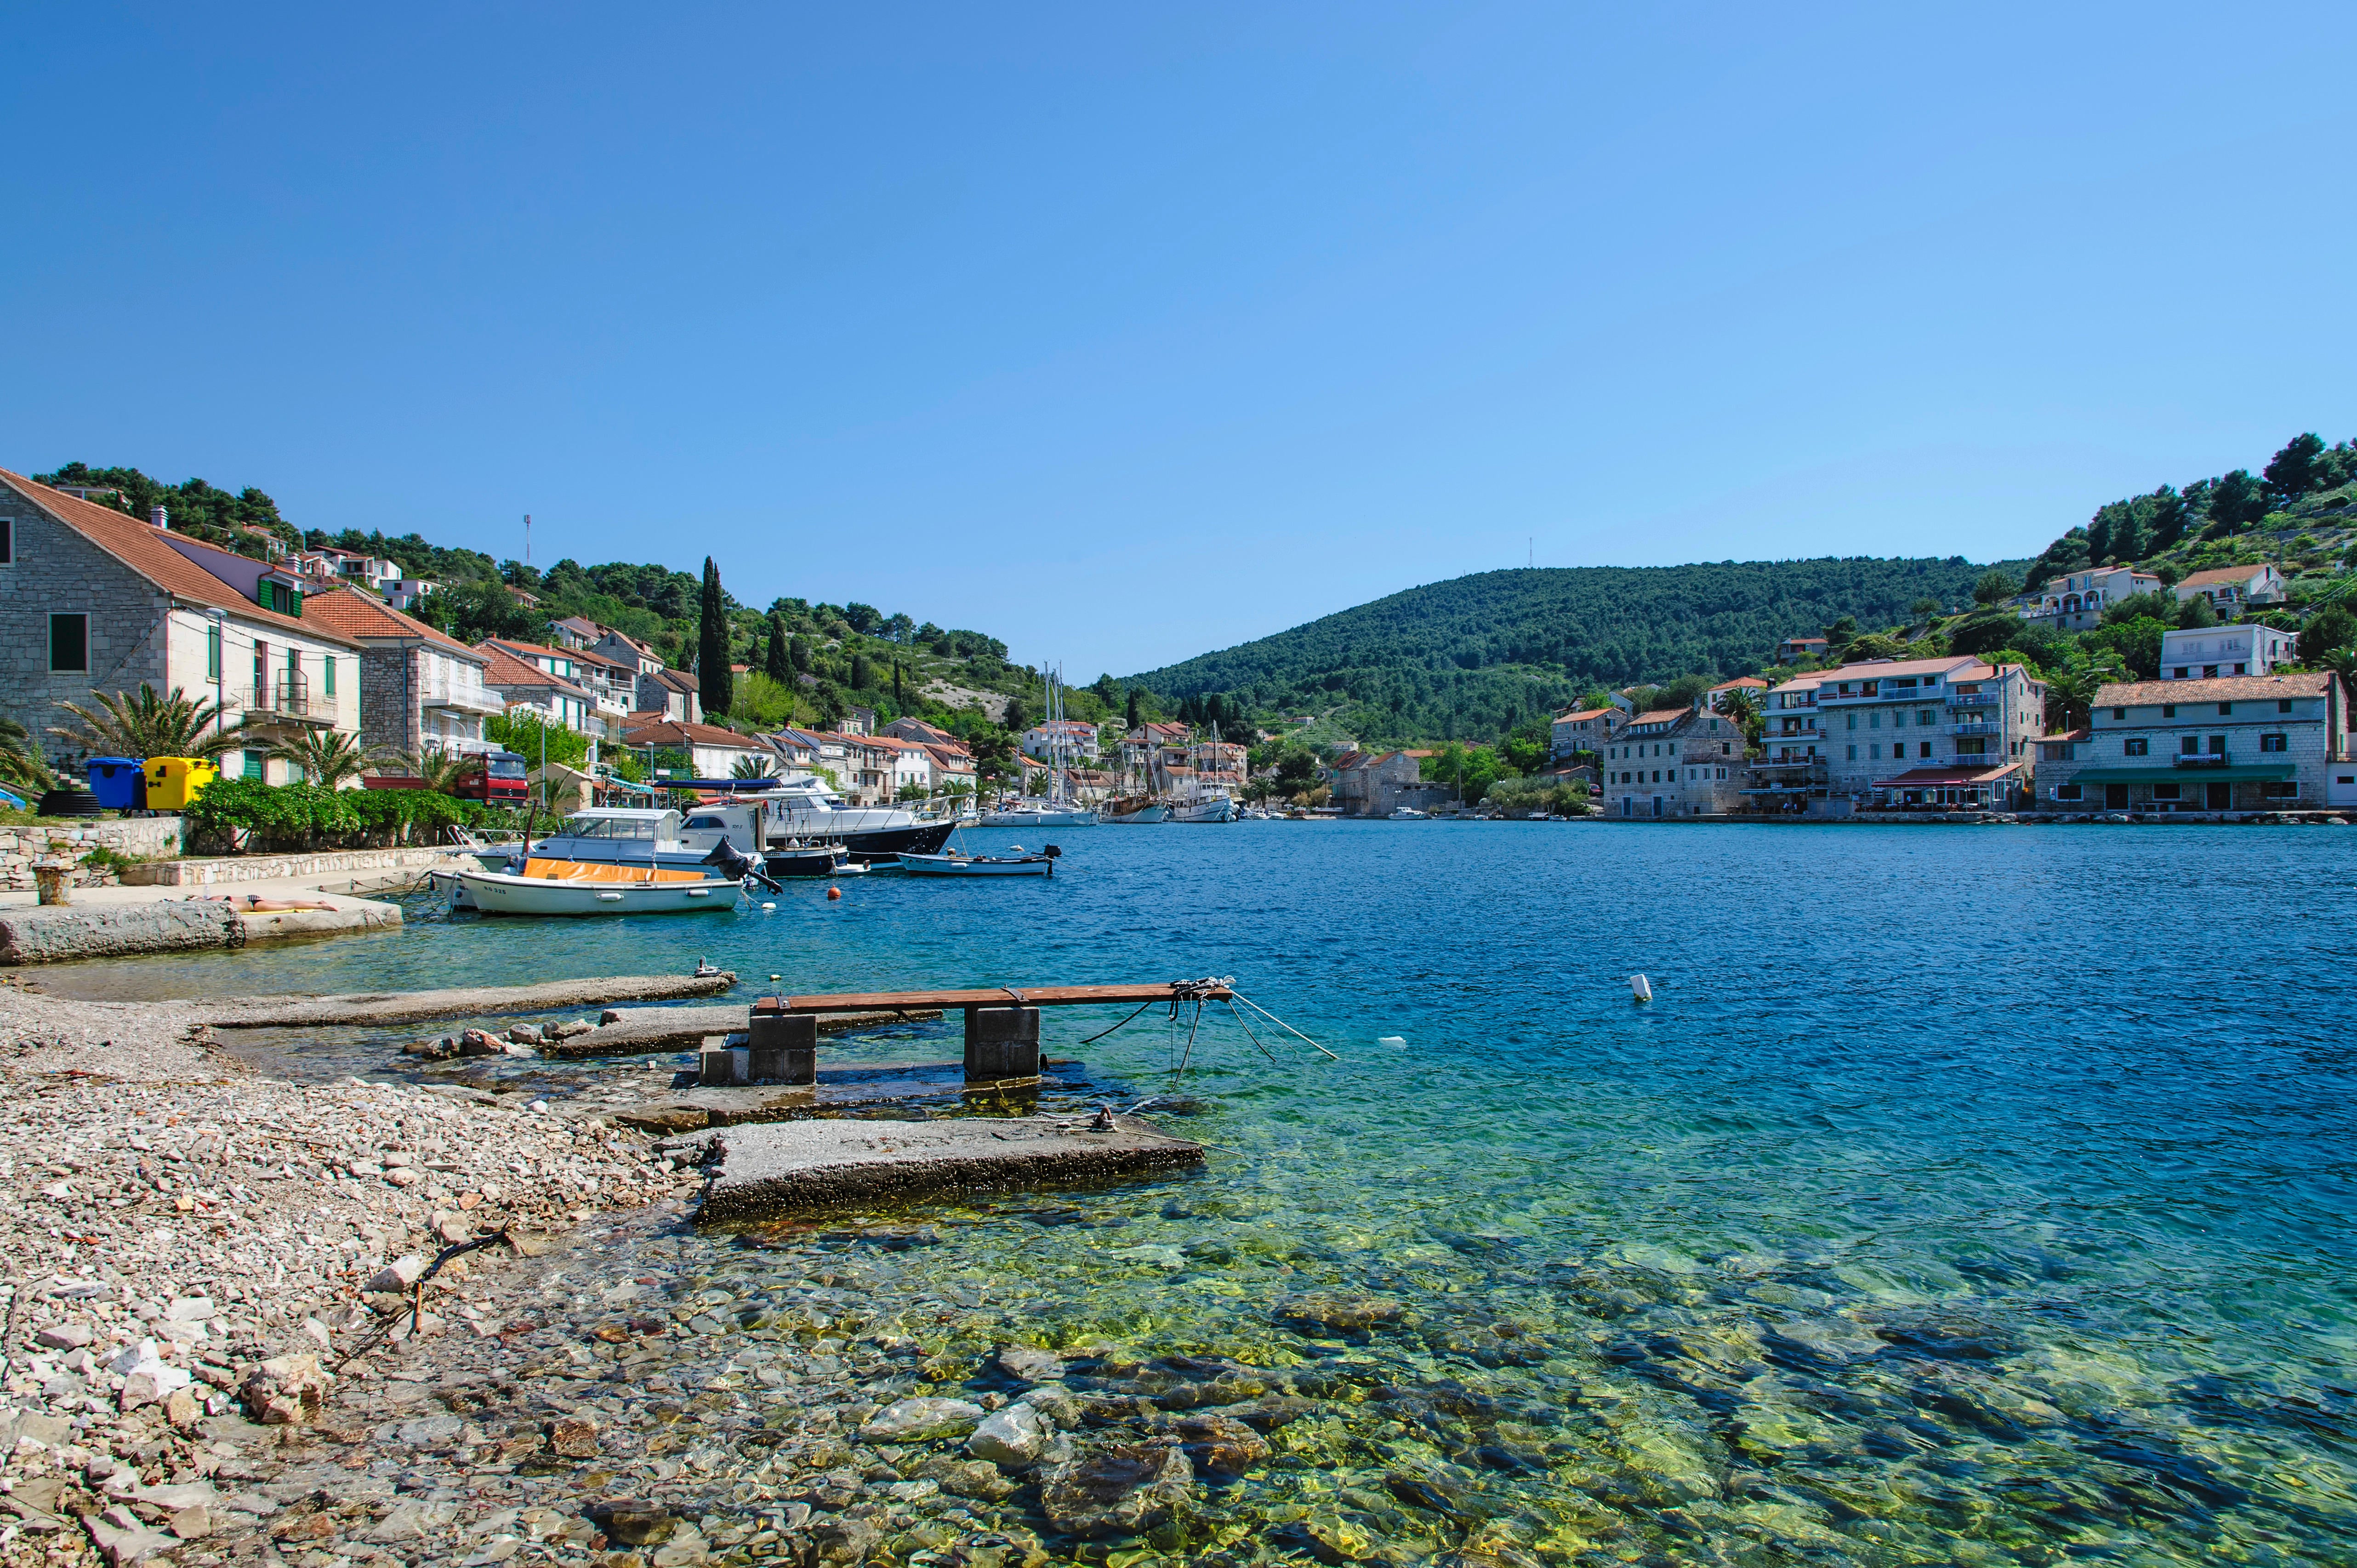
(808, 661)
(1476, 657)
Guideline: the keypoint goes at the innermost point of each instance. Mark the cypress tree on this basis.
(1134, 716)
(715, 683)
(862, 676)
(775, 663)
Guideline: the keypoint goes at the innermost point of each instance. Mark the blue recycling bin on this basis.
(119, 782)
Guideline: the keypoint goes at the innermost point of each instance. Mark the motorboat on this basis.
(806, 860)
(1040, 814)
(1408, 814)
(1217, 808)
(955, 864)
(500, 893)
(806, 810)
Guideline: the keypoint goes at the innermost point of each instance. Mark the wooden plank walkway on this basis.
(1004, 996)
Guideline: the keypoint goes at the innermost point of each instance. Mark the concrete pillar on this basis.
(1002, 1043)
(785, 1047)
(720, 1064)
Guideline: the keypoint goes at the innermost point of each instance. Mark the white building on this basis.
(2230, 588)
(1074, 739)
(2076, 602)
(2208, 652)
(1791, 774)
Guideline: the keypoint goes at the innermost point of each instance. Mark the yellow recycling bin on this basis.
(174, 781)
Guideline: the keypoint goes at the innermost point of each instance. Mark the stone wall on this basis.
(389, 716)
(56, 570)
(137, 838)
(214, 871)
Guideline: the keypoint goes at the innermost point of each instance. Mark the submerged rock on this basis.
(921, 1418)
(1119, 1491)
(1221, 1445)
(1014, 1436)
(1030, 1365)
(1332, 1315)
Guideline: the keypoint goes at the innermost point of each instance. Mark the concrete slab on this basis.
(681, 1029)
(775, 1169)
(684, 1107)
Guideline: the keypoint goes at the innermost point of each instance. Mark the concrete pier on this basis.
(772, 1169)
(1001, 1044)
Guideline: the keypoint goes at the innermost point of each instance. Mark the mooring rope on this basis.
(1288, 1028)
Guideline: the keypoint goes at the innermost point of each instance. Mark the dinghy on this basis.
(955, 864)
(497, 893)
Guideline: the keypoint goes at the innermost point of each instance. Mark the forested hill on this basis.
(1474, 656)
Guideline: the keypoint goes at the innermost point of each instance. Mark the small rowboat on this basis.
(956, 865)
(496, 892)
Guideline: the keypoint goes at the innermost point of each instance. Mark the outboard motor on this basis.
(725, 859)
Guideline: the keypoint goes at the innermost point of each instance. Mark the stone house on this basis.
(2256, 743)
(1674, 762)
(93, 601)
(1377, 783)
(2076, 602)
(1576, 730)
(420, 689)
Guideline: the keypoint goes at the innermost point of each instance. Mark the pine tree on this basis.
(714, 682)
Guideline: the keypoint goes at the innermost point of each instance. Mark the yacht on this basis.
(1040, 814)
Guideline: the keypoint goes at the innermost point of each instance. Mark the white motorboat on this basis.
(1205, 808)
(497, 893)
(1039, 814)
(955, 864)
(1408, 814)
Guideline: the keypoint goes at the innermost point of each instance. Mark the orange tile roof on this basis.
(672, 732)
(360, 615)
(503, 671)
(140, 546)
(2222, 575)
(2224, 688)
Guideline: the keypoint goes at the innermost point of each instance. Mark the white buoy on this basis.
(768, 905)
(1641, 988)
(1398, 1040)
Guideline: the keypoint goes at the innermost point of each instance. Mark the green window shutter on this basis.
(252, 768)
(331, 676)
(212, 652)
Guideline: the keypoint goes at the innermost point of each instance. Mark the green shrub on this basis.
(310, 816)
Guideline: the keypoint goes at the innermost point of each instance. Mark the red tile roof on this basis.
(672, 732)
(140, 546)
(364, 616)
(2223, 689)
(503, 672)
(2221, 574)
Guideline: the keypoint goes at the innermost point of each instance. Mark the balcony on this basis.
(461, 699)
(1976, 726)
(2203, 759)
(1975, 699)
(287, 701)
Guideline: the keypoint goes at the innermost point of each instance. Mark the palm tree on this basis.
(437, 769)
(2070, 690)
(753, 765)
(148, 725)
(22, 767)
(327, 757)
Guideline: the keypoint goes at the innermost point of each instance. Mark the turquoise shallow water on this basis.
(1965, 1195)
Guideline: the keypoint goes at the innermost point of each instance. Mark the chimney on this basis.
(161, 518)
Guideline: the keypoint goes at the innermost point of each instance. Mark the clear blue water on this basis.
(1964, 1195)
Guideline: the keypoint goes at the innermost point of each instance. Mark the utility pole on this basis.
(527, 540)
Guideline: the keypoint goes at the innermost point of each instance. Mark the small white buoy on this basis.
(1641, 988)
(1399, 1040)
(768, 906)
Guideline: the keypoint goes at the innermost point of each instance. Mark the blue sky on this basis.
(1128, 332)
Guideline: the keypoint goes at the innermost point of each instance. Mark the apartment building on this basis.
(1929, 733)
(1070, 737)
(712, 752)
(1790, 775)
(1674, 762)
(529, 688)
(2208, 652)
(94, 600)
(2253, 743)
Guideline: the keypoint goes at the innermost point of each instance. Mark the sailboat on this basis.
(1057, 811)
(1200, 803)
